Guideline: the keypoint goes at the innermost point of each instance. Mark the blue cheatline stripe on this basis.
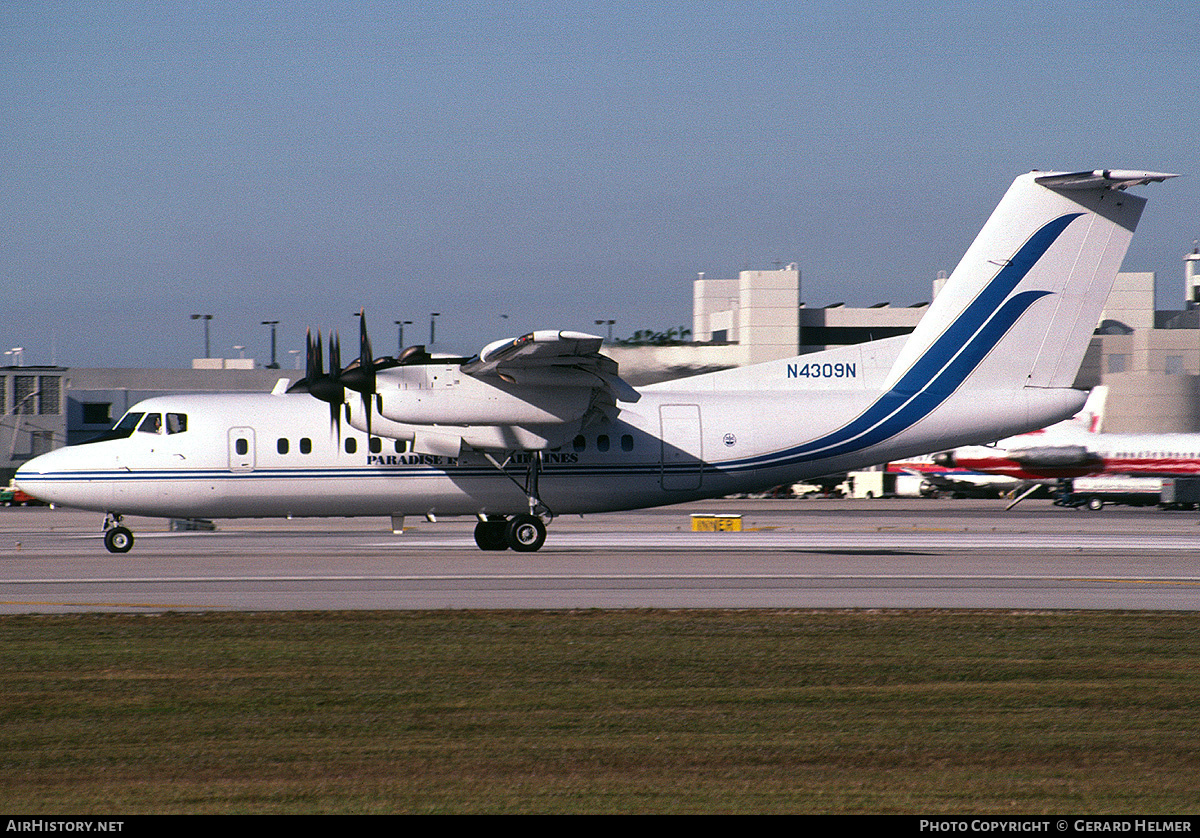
(948, 380)
(941, 369)
(339, 472)
(649, 469)
(984, 306)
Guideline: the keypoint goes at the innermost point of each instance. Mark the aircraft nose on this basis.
(74, 476)
(26, 476)
(36, 477)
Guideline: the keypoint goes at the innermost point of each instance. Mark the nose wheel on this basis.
(117, 539)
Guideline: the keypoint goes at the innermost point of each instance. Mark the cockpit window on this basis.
(128, 422)
(122, 429)
(176, 423)
(152, 424)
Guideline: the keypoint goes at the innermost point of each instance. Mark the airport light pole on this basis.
(272, 323)
(205, 318)
(610, 323)
(432, 324)
(400, 324)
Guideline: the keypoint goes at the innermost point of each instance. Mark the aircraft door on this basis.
(241, 449)
(681, 446)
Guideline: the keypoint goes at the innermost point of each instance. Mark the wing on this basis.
(535, 392)
(552, 359)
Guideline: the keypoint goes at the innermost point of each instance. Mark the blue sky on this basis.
(542, 165)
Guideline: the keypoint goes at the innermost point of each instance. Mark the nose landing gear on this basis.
(117, 539)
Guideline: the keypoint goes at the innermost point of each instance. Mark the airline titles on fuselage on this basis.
(549, 457)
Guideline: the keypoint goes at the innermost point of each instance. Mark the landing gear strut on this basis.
(117, 539)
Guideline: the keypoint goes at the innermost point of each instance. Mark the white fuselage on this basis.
(268, 455)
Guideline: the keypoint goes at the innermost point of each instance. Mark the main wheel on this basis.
(1095, 504)
(490, 535)
(525, 533)
(118, 540)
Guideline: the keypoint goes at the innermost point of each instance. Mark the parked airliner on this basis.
(1070, 450)
(543, 425)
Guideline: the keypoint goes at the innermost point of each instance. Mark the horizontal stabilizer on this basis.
(1101, 179)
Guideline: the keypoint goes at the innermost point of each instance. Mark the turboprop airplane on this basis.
(543, 425)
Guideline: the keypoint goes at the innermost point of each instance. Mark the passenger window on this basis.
(281, 446)
(579, 443)
(375, 444)
(305, 445)
(176, 423)
(602, 442)
(351, 445)
(626, 442)
(152, 424)
(242, 447)
(400, 446)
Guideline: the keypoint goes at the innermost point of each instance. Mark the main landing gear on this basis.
(523, 533)
(117, 539)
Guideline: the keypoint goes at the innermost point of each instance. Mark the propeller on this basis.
(325, 386)
(359, 375)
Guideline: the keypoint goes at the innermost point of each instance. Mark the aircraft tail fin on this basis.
(1091, 417)
(1020, 308)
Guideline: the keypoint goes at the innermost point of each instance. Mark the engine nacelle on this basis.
(469, 401)
(1056, 456)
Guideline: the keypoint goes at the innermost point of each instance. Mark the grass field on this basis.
(601, 711)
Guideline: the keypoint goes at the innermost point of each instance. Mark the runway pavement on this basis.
(791, 554)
